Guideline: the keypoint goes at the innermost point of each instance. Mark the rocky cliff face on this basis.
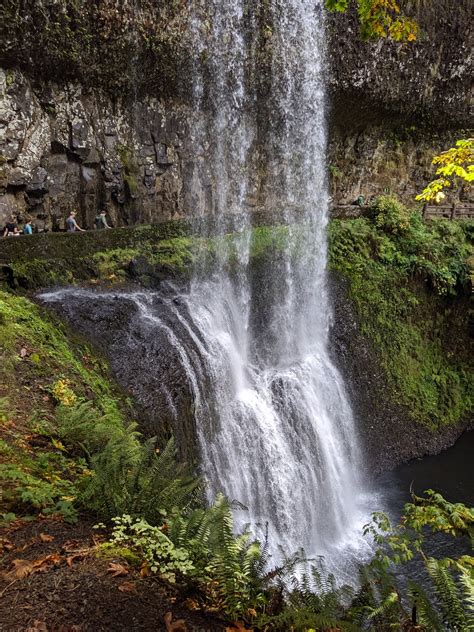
(388, 433)
(395, 105)
(88, 121)
(66, 147)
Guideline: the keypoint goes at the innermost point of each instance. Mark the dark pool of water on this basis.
(452, 474)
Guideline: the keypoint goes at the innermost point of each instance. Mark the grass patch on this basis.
(42, 367)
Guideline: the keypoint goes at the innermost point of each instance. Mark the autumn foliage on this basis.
(380, 19)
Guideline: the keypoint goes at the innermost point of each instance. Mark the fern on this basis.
(130, 476)
(312, 598)
(467, 583)
(449, 596)
(426, 614)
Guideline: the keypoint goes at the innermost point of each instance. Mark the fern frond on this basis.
(448, 595)
(426, 613)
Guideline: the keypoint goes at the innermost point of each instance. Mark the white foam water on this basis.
(275, 425)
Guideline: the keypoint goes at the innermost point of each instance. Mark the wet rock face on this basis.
(142, 337)
(385, 158)
(68, 141)
(145, 363)
(393, 106)
(427, 81)
(388, 434)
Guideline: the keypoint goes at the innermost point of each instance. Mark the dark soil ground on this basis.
(71, 589)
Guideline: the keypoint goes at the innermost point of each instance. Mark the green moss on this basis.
(41, 362)
(51, 355)
(408, 280)
(58, 259)
(109, 550)
(113, 262)
(42, 273)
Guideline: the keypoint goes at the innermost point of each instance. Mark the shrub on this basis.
(199, 546)
(130, 475)
(389, 215)
(46, 482)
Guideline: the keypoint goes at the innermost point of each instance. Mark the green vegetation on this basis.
(50, 353)
(162, 250)
(452, 582)
(130, 169)
(40, 367)
(233, 576)
(379, 19)
(409, 282)
(68, 445)
(174, 255)
(455, 167)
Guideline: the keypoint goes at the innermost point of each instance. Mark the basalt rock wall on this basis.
(96, 107)
(72, 148)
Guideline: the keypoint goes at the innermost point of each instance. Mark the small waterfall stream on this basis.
(274, 424)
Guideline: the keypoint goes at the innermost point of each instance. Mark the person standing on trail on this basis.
(71, 225)
(28, 228)
(101, 220)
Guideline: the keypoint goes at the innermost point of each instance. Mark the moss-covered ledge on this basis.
(409, 286)
(78, 245)
(144, 254)
(48, 259)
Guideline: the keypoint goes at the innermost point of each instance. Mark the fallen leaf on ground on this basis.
(238, 627)
(71, 546)
(5, 545)
(38, 626)
(23, 568)
(71, 559)
(127, 587)
(176, 626)
(117, 570)
(44, 537)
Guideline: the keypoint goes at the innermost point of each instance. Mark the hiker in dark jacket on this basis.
(11, 228)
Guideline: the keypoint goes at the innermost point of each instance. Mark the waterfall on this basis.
(275, 428)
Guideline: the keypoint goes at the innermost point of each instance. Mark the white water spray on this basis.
(275, 427)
